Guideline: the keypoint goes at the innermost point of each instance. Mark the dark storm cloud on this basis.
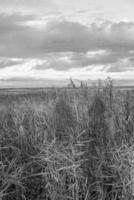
(72, 36)
(17, 39)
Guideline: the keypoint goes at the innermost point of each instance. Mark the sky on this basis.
(49, 41)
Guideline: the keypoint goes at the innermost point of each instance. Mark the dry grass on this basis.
(71, 145)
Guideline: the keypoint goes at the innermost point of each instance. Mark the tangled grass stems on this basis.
(68, 144)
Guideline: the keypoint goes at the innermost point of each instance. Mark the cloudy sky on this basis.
(53, 40)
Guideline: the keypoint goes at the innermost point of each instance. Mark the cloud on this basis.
(71, 36)
(65, 45)
(122, 65)
(5, 62)
(16, 38)
(20, 40)
(39, 69)
(111, 61)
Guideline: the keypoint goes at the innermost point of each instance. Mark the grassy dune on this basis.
(67, 145)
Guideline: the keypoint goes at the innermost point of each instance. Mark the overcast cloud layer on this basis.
(56, 39)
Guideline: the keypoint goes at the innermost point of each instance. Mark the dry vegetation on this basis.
(67, 145)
